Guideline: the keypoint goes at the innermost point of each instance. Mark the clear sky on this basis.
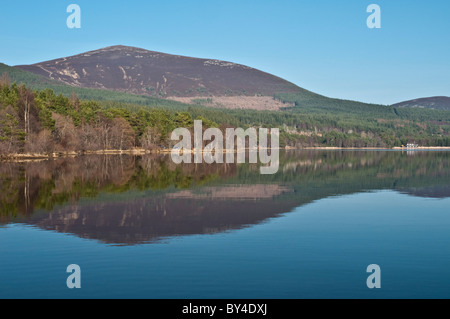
(322, 45)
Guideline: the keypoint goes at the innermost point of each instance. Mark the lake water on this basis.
(143, 227)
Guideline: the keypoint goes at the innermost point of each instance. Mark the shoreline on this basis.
(396, 148)
(36, 157)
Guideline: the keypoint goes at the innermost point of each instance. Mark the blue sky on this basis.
(324, 45)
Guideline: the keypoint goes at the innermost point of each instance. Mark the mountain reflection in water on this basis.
(127, 200)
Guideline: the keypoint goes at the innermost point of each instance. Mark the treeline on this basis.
(333, 122)
(43, 122)
(33, 121)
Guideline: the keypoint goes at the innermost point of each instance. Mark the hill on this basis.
(138, 71)
(435, 102)
(132, 75)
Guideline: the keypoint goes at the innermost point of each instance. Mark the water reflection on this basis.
(129, 200)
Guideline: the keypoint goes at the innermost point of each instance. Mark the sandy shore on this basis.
(37, 156)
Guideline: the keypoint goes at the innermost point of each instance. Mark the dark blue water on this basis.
(318, 250)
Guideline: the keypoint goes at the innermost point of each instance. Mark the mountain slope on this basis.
(40, 83)
(30, 79)
(435, 102)
(138, 71)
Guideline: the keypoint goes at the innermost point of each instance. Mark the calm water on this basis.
(143, 227)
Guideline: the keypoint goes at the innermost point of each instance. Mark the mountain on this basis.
(134, 75)
(138, 71)
(435, 102)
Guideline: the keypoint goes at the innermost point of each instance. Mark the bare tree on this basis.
(26, 104)
(150, 138)
(90, 137)
(122, 134)
(41, 143)
(65, 133)
(105, 126)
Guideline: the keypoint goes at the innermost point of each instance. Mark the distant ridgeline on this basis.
(41, 121)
